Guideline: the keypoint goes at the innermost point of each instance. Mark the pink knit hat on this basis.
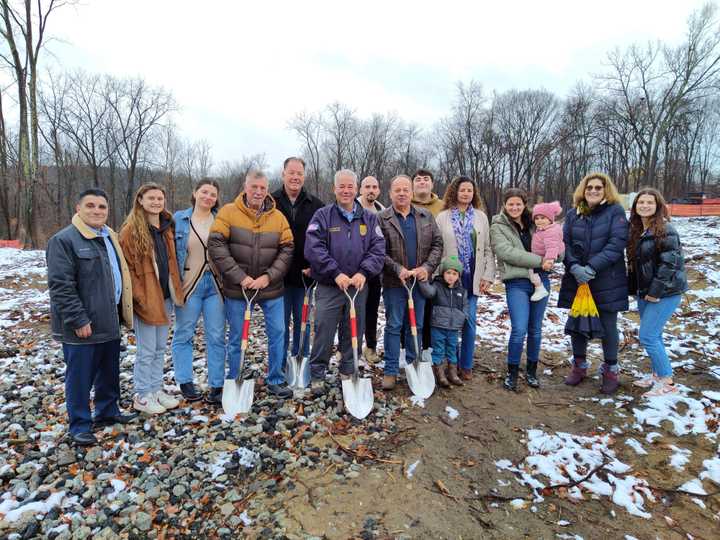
(550, 210)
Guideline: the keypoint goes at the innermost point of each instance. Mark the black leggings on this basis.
(610, 342)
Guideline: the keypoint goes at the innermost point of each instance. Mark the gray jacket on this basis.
(449, 308)
(81, 286)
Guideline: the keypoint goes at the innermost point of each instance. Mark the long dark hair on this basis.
(206, 182)
(526, 216)
(657, 223)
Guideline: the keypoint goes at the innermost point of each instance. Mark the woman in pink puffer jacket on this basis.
(547, 241)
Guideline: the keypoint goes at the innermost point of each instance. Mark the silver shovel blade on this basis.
(297, 376)
(238, 398)
(358, 396)
(420, 378)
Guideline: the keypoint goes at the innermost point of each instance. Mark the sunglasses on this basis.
(594, 188)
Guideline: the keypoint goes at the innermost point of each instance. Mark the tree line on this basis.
(651, 116)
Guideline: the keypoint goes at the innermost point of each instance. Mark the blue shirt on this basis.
(349, 215)
(113, 258)
(409, 231)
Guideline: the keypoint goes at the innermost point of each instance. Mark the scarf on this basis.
(463, 236)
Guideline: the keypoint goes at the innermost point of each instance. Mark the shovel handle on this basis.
(353, 328)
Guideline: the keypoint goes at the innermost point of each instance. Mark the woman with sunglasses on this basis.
(595, 237)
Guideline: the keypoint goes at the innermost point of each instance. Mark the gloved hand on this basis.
(582, 274)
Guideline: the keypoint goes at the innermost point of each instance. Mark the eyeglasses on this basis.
(594, 188)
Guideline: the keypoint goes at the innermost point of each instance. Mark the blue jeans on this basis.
(396, 311)
(274, 328)
(444, 345)
(204, 301)
(97, 365)
(467, 347)
(525, 318)
(293, 301)
(653, 317)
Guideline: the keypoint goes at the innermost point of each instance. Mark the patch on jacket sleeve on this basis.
(313, 227)
(378, 231)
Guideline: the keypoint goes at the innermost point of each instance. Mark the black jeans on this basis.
(610, 341)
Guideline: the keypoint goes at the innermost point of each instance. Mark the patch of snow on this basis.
(452, 413)
(411, 469)
(635, 445)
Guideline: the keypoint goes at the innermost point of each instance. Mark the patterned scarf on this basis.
(463, 235)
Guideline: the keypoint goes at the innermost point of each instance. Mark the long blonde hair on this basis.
(137, 222)
(611, 193)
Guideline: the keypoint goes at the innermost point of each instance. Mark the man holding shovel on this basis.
(251, 245)
(345, 248)
(413, 250)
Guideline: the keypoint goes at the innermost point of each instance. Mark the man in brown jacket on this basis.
(413, 250)
(251, 245)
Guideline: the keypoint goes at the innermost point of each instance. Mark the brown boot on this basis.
(453, 375)
(388, 382)
(439, 371)
(465, 374)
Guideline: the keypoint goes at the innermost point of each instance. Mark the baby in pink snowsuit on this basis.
(547, 241)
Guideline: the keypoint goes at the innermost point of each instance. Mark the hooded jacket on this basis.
(435, 205)
(659, 273)
(298, 216)
(244, 242)
(597, 237)
(449, 307)
(148, 297)
(81, 287)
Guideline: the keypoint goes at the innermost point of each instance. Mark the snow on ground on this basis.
(17, 301)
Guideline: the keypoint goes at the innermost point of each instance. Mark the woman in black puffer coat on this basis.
(595, 237)
(658, 278)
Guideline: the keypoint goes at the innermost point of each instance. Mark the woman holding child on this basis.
(512, 240)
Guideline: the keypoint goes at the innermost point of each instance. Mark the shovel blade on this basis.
(297, 374)
(238, 397)
(358, 396)
(420, 379)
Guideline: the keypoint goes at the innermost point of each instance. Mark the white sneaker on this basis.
(166, 400)
(147, 404)
(539, 294)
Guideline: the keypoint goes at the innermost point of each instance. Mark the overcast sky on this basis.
(240, 70)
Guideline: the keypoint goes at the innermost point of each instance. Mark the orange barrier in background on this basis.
(10, 244)
(693, 210)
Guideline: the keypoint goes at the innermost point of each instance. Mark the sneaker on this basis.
(662, 388)
(148, 404)
(648, 381)
(283, 391)
(166, 400)
(540, 293)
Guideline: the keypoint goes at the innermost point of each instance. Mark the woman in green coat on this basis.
(511, 238)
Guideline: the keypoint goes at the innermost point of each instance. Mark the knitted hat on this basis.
(549, 210)
(451, 263)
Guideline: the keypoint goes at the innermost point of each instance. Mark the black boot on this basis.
(214, 396)
(512, 376)
(531, 375)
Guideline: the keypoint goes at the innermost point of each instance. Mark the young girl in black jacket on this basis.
(658, 278)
